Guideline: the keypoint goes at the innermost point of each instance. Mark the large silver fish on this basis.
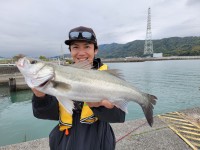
(79, 82)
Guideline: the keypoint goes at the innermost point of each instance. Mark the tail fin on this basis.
(148, 107)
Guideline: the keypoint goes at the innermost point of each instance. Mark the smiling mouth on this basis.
(82, 59)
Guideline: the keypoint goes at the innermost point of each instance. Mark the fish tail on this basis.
(148, 107)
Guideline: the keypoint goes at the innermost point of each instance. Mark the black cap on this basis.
(82, 29)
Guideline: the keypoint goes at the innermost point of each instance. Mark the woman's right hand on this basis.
(38, 93)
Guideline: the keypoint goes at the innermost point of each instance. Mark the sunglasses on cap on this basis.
(74, 35)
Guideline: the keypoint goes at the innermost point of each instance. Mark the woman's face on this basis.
(81, 51)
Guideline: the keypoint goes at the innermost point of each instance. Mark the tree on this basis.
(42, 58)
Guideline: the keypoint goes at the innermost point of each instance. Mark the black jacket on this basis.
(96, 136)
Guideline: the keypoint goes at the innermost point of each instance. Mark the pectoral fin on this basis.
(61, 86)
(67, 104)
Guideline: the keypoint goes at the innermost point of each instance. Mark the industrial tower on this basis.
(148, 46)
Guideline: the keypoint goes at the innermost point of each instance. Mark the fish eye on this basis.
(33, 61)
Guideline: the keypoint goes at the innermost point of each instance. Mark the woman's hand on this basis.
(38, 93)
(104, 103)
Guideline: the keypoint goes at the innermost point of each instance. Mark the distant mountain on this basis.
(174, 46)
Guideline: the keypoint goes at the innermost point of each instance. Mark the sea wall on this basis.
(8, 69)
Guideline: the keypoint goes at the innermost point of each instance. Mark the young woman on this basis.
(88, 128)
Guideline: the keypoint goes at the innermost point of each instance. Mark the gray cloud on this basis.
(37, 27)
(193, 2)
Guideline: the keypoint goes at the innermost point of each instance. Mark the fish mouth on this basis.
(21, 62)
(45, 82)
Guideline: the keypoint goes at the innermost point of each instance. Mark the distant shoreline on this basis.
(140, 59)
(127, 59)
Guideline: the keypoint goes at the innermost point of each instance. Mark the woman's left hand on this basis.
(104, 103)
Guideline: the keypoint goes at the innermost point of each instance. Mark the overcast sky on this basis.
(39, 27)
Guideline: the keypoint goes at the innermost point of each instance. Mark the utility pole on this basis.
(62, 56)
(148, 46)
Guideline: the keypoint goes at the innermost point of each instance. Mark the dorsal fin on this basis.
(82, 65)
(116, 73)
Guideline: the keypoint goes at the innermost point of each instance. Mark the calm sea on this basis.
(175, 83)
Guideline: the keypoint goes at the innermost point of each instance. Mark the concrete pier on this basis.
(138, 135)
(11, 76)
(18, 84)
(6, 69)
(15, 81)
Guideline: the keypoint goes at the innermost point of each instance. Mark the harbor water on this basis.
(176, 83)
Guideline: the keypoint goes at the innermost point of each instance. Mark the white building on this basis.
(157, 55)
